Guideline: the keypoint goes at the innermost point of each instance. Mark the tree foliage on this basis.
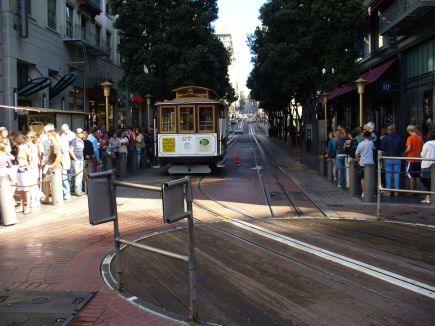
(176, 41)
(297, 39)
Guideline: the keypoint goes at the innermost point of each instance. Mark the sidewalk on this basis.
(404, 209)
(55, 248)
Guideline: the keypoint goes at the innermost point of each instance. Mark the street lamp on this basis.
(325, 105)
(360, 83)
(148, 98)
(107, 86)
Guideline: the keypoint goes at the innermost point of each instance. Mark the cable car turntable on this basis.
(192, 131)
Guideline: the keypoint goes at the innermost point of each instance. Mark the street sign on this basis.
(101, 197)
(174, 200)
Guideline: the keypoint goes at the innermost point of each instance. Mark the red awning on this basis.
(137, 99)
(370, 77)
(374, 74)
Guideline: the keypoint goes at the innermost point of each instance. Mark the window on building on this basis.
(51, 14)
(69, 21)
(108, 40)
(98, 35)
(187, 119)
(206, 118)
(84, 28)
(22, 74)
(167, 119)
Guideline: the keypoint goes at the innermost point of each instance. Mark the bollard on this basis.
(56, 186)
(7, 209)
(322, 161)
(369, 183)
(432, 185)
(109, 163)
(134, 162)
(346, 164)
(122, 165)
(329, 170)
(354, 183)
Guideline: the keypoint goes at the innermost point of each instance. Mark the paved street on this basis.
(316, 259)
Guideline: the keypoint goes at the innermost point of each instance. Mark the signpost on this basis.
(177, 205)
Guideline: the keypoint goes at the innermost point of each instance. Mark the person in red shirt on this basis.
(414, 145)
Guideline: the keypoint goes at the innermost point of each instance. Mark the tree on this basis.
(175, 40)
(301, 38)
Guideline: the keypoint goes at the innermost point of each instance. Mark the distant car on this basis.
(238, 131)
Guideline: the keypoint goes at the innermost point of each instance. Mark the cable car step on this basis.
(189, 169)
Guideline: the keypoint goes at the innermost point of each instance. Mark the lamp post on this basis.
(325, 105)
(107, 86)
(360, 83)
(148, 98)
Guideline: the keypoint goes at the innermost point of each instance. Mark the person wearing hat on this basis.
(77, 145)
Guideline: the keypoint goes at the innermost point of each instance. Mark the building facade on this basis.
(397, 54)
(54, 54)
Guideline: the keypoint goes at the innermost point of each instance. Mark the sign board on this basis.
(174, 145)
(168, 145)
(101, 197)
(174, 200)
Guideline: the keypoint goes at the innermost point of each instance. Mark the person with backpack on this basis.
(331, 152)
(393, 145)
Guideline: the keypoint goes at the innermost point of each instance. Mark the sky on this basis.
(239, 18)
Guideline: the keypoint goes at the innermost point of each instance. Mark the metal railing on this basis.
(175, 194)
(76, 33)
(380, 189)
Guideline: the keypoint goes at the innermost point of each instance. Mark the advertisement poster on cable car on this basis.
(188, 145)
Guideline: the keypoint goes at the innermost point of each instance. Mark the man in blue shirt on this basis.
(94, 142)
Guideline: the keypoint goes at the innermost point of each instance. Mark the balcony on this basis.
(77, 36)
(93, 7)
(402, 13)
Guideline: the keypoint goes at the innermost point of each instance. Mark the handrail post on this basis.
(379, 186)
(118, 266)
(192, 257)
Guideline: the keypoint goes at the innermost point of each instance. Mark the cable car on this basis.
(192, 131)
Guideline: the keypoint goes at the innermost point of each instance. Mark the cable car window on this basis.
(187, 119)
(206, 118)
(167, 119)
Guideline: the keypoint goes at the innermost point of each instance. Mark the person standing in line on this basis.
(131, 148)
(24, 176)
(92, 137)
(364, 155)
(392, 145)
(77, 146)
(114, 144)
(54, 159)
(140, 144)
(149, 145)
(104, 146)
(65, 140)
(331, 153)
(341, 157)
(414, 146)
(4, 138)
(32, 143)
(428, 151)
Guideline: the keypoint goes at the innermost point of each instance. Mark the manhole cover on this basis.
(21, 307)
(40, 300)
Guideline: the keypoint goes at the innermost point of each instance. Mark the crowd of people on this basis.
(30, 158)
(363, 145)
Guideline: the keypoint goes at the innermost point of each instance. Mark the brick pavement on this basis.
(55, 248)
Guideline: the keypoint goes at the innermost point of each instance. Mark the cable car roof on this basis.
(189, 100)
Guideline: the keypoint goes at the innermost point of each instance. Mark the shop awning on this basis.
(370, 77)
(40, 110)
(374, 74)
(137, 99)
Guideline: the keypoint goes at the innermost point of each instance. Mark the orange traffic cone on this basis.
(237, 159)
